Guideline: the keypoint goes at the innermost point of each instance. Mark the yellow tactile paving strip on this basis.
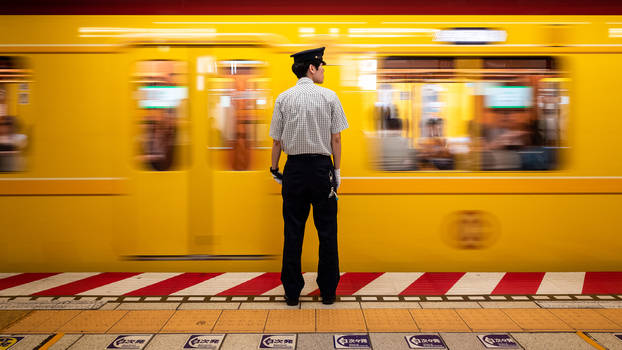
(537, 320)
(42, 321)
(249, 321)
(614, 315)
(142, 321)
(585, 319)
(491, 320)
(310, 320)
(439, 320)
(93, 321)
(191, 321)
(343, 320)
(290, 321)
(10, 316)
(389, 320)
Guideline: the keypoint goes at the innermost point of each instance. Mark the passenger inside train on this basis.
(434, 154)
(13, 91)
(238, 98)
(12, 144)
(161, 94)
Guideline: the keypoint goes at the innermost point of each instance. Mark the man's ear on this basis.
(311, 68)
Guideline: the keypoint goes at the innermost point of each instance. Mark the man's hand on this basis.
(278, 177)
(337, 178)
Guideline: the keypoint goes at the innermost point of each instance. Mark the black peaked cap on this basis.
(309, 55)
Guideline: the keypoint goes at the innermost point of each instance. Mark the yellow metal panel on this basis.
(63, 187)
(484, 185)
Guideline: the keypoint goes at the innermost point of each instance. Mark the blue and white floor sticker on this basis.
(278, 341)
(7, 342)
(131, 341)
(425, 341)
(498, 341)
(352, 341)
(204, 341)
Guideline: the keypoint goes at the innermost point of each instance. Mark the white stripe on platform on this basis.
(310, 285)
(131, 284)
(476, 283)
(562, 283)
(47, 283)
(277, 290)
(219, 283)
(8, 274)
(389, 283)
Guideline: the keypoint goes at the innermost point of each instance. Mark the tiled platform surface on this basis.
(310, 321)
(323, 341)
(559, 310)
(165, 327)
(315, 328)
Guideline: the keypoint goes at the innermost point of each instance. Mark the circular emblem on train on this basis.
(470, 229)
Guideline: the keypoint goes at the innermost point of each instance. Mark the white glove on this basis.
(278, 177)
(337, 178)
(279, 181)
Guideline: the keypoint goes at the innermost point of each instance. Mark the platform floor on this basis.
(573, 310)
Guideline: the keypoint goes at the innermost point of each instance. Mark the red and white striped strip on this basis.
(268, 283)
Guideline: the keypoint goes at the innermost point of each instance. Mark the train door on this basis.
(233, 105)
(161, 135)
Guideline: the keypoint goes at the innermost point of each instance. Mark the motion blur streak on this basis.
(477, 143)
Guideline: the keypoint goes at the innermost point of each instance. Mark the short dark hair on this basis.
(301, 68)
(11, 122)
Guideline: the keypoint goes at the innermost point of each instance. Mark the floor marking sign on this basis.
(498, 341)
(204, 341)
(132, 341)
(278, 341)
(352, 341)
(7, 342)
(425, 341)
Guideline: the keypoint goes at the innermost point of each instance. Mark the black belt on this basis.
(307, 156)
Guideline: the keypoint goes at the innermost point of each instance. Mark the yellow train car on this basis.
(476, 143)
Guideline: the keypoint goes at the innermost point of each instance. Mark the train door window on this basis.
(238, 96)
(14, 98)
(161, 97)
(522, 113)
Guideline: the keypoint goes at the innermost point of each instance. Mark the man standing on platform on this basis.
(306, 125)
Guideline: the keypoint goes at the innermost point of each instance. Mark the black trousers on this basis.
(306, 182)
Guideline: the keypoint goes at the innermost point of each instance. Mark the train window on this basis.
(14, 96)
(471, 113)
(522, 113)
(421, 116)
(238, 97)
(161, 94)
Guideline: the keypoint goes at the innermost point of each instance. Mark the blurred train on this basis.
(476, 143)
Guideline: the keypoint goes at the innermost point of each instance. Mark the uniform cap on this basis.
(309, 55)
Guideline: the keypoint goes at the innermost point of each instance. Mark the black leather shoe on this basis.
(291, 301)
(328, 300)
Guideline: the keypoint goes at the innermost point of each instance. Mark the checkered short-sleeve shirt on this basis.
(304, 118)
